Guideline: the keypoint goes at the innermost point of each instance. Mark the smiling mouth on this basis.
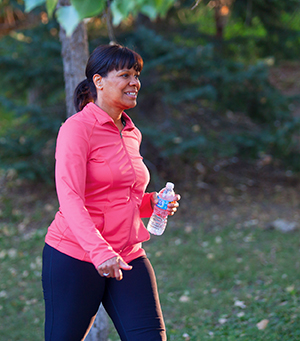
(132, 94)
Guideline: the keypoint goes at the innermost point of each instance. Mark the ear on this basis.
(97, 79)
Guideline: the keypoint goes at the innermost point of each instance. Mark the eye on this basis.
(137, 76)
(125, 75)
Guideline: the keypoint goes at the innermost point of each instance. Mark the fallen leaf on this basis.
(186, 337)
(240, 304)
(291, 288)
(184, 298)
(218, 240)
(222, 320)
(177, 241)
(262, 324)
(188, 229)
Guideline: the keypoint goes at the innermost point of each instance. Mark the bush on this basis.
(32, 101)
(199, 106)
(205, 108)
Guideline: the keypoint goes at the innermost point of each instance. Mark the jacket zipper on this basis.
(126, 151)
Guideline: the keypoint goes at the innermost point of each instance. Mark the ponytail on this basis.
(84, 93)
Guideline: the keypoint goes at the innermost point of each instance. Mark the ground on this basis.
(242, 194)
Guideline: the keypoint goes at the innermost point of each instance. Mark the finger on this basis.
(173, 207)
(173, 204)
(105, 274)
(118, 274)
(154, 198)
(172, 212)
(178, 197)
(123, 265)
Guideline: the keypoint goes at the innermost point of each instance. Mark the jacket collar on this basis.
(102, 117)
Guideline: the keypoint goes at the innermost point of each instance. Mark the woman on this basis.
(93, 250)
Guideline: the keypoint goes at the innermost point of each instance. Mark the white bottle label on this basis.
(162, 204)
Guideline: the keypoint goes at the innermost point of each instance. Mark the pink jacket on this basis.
(100, 181)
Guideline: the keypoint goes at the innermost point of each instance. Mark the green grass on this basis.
(21, 303)
(214, 285)
(204, 276)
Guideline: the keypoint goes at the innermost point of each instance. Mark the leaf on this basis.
(290, 289)
(68, 18)
(116, 14)
(151, 8)
(240, 304)
(121, 10)
(150, 11)
(162, 6)
(31, 4)
(88, 8)
(50, 5)
(184, 298)
(186, 337)
(262, 324)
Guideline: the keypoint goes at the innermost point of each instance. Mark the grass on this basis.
(214, 284)
(220, 284)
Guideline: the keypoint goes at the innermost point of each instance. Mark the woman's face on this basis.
(118, 90)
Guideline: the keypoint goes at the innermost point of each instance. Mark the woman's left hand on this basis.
(172, 206)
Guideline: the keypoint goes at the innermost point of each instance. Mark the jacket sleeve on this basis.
(146, 207)
(72, 151)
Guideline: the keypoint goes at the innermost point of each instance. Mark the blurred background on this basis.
(219, 111)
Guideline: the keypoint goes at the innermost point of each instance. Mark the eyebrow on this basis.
(127, 70)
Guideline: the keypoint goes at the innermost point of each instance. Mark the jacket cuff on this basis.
(146, 209)
(101, 258)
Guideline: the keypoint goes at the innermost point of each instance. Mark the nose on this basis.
(135, 82)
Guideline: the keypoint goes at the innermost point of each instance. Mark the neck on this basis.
(116, 114)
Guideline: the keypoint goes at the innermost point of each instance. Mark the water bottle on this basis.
(158, 221)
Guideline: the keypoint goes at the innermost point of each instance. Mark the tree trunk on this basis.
(110, 30)
(222, 10)
(75, 54)
(99, 330)
(220, 22)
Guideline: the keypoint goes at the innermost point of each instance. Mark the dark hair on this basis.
(104, 59)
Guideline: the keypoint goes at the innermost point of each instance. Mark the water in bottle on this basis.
(158, 221)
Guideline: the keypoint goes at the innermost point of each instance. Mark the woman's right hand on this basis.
(112, 268)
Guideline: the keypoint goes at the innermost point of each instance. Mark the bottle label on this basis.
(162, 204)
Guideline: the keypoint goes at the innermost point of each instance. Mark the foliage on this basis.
(210, 102)
(269, 12)
(70, 16)
(205, 108)
(33, 96)
(263, 30)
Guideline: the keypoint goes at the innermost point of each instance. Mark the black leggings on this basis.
(73, 291)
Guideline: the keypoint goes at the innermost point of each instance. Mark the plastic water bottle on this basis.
(158, 221)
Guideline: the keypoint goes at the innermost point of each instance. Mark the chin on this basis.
(130, 106)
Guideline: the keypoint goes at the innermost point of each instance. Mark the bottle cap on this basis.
(170, 186)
